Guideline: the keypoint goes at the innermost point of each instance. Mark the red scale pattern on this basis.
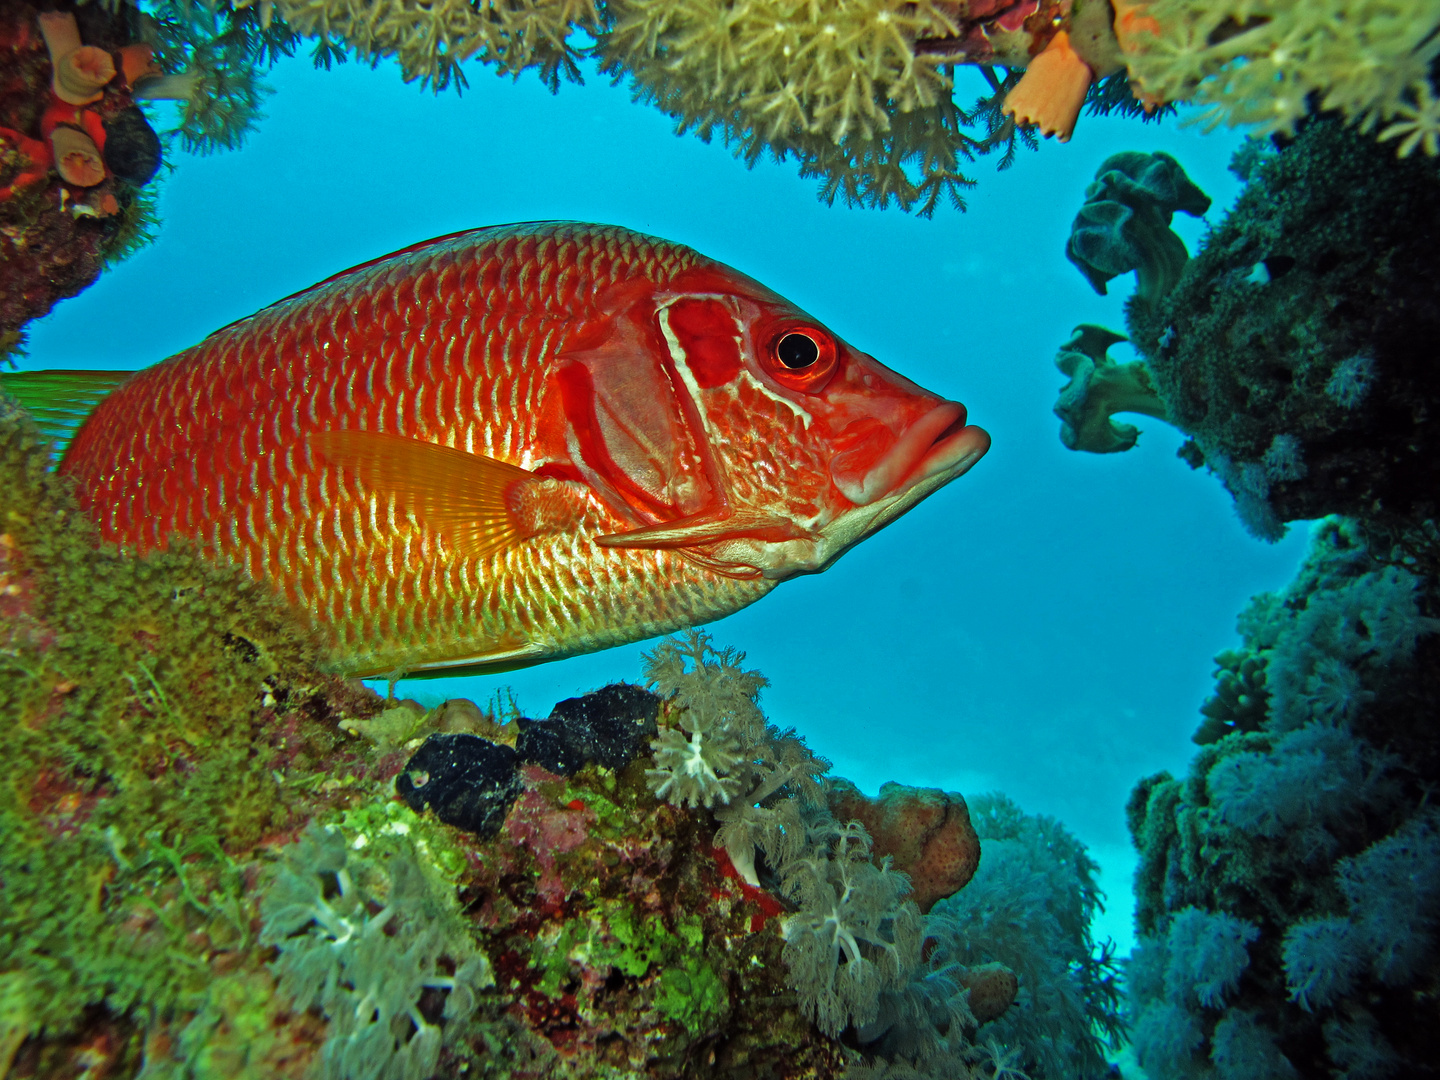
(450, 342)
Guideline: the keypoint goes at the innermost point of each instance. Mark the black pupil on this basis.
(797, 351)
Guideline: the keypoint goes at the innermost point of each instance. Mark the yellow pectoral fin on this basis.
(469, 498)
(1051, 91)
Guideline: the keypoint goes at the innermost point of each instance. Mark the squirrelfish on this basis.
(515, 444)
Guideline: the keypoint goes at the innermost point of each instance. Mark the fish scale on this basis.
(494, 448)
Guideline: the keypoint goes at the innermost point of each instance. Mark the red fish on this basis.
(515, 444)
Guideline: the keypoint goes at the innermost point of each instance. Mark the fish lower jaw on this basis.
(948, 459)
(935, 444)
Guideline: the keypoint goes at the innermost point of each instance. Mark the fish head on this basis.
(744, 432)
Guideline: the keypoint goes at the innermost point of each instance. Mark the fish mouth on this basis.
(939, 443)
(954, 449)
(937, 449)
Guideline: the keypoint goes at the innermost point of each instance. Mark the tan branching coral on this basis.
(859, 93)
(844, 88)
(781, 70)
(430, 38)
(1269, 62)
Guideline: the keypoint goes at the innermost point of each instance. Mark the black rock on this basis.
(611, 727)
(469, 782)
(132, 149)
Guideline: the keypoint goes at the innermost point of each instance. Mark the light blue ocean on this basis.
(1043, 626)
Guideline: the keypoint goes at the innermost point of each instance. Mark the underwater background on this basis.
(1043, 627)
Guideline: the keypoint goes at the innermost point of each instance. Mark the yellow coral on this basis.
(787, 66)
(430, 38)
(846, 88)
(1269, 62)
(841, 87)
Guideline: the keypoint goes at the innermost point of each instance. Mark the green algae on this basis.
(155, 710)
(692, 994)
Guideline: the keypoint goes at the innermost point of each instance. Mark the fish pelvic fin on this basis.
(60, 401)
(480, 504)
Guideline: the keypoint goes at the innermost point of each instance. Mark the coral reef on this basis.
(1272, 62)
(207, 869)
(1017, 933)
(78, 154)
(1288, 885)
(859, 95)
(75, 154)
(1293, 349)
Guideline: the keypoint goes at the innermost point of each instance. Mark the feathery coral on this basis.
(363, 941)
(841, 88)
(430, 40)
(854, 935)
(723, 752)
(1269, 62)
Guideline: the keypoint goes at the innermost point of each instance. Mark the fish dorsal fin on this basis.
(475, 501)
(60, 400)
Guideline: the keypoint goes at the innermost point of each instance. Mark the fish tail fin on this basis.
(60, 400)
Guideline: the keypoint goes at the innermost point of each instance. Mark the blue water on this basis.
(1043, 626)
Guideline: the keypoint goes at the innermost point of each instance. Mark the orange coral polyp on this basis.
(1053, 88)
(137, 62)
(77, 159)
(81, 75)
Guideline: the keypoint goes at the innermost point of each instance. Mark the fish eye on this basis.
(801, 357)
(797, 350)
